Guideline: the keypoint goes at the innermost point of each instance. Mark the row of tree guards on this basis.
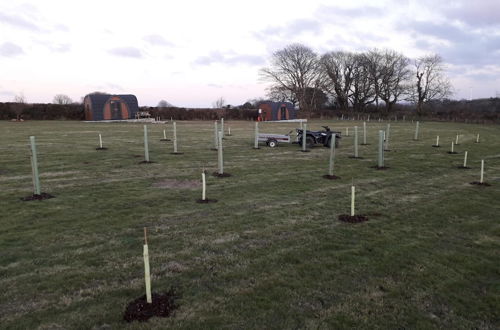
(383, 145)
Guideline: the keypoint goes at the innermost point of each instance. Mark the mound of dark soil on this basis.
(484, 184)
(35, 197)
(380, 168)
(352, 218)
(464, 168)
(331, 177)
(354, 157)
(165, 140)
(146, 162)
(223, 175)
(452, 153)
(435, 146)
(177, 153)
(162, 305)
(99, 148)
(206, 201)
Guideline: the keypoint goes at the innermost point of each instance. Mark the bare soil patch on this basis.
(352, 218)
(206, 201)
(483, 184)
(162, 305)
(180, 184)
(36, 197)
(221, 175)
(331, 177)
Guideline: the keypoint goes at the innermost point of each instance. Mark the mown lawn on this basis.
(271, 252)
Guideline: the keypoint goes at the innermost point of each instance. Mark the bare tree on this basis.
(338, 69)
(164, 104)
(281, 94)
(62, 99)
(430, 82)
(362, 87)
(393, 78)
(294, 68)
(219, 103)
(19, 105)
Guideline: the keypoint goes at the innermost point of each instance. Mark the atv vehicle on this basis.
(319, 137)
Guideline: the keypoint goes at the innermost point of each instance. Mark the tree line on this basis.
(354, 80)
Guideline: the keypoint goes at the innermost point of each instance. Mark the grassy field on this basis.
(271, 252)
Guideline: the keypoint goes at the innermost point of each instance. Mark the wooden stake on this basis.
(256, 140)
(356, 142)
(380, 149)
(175, 137)
(146, 146)
(100, 141)
(482, 171)
(465, 159)
(353, 193)
(204, 186)
(220, 158)
(147, 275)
(34, 166)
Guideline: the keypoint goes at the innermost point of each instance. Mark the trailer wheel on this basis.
(272, 143)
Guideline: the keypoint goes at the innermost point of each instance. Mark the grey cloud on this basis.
(9, 49)
(230, 59)
(326, 12)
(130, 52)
(479, 13)
(61, 27)
(157, 40)
(7, 93)
(291, 29)
(465, 46)
(18, 22)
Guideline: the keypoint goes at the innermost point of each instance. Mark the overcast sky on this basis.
(192, 52)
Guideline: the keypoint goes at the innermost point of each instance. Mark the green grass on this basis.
(271, 252)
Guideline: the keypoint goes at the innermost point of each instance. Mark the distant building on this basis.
(270, 110)
(110, 107)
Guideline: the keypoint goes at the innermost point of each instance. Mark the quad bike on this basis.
(323, 137)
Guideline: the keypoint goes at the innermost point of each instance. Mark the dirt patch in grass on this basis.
(353, 218)
(146, 162)
(380, 167)
(206, 201)
(221, 175)
(483, 184)
(162, 305)
(331, 177)
(464, 167)
(180, 184)
(99, 148)
(36, 197)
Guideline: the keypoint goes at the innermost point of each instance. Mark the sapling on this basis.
(175, 137)
(456, 140)
(304, 138)
(477, 138)
(216, 138)
(146, 147)
(364, 132)
(437, 141)
(220, 158)
(147, 275)
(380, 149)
(452, 148)
(356, 155)
(465, 159)
(100, 141)
(34, 167)
(204, 186)
(229, 131)
(416, 131)
(256, 139)
(482, 171)
(332, 156)
(347, 131)
(353, 193)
